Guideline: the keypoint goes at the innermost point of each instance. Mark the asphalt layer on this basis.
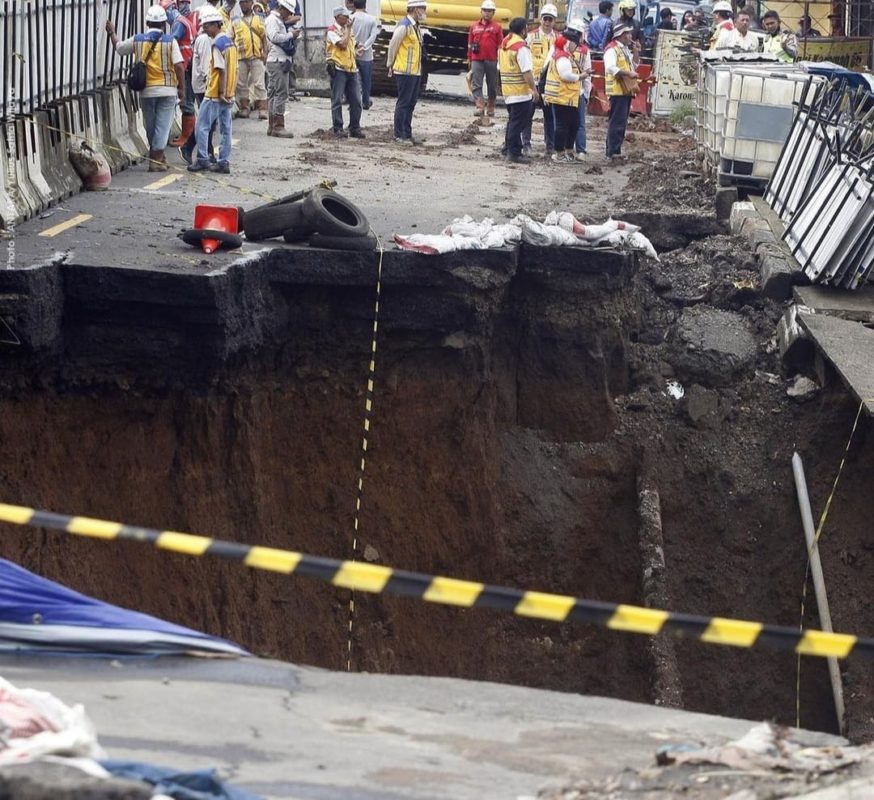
(457, 171)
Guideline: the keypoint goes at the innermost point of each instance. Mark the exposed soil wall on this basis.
(517, 396)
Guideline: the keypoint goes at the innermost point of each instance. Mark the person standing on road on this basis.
(584, 61)
(541, 42)
(562, 92)
(483, 40)
(404, 62)
(340, 54)
(201, 48)
(779, 41)
(282, 34)
(723, 34)
(252, 48)
(743, 40)
(365, 28)
(184, 30)
(165, 80)
(520, 90)
(218, 101)
(601, 29)
(620, 77)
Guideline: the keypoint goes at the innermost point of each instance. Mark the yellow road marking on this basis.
(165, 181)
(63, 226)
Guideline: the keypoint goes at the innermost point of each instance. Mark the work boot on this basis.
(261, 105)
(156, 161)
(491, 108)
(243, 109)
(188, 121)
(357, 133)
(222, 167)
(198, 166)
(480, 107)
(279, 127)
(271, 122)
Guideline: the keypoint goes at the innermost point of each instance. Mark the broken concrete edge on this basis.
(192, 319)
(778, 270)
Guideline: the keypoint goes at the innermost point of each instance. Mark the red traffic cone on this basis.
(215, 227)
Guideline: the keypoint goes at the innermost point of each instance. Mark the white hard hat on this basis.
(210, 14)
(416, 3)
(488, 5)
(288, 5)
(549, 10)
(722, 5)
(156, 14)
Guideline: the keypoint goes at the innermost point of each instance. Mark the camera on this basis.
(474, 48)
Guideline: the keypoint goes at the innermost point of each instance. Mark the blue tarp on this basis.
(202, 784)
(36, 612)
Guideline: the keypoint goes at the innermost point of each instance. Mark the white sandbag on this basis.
(622, 240)
(39, 724)
(594, 232)
(433, 244)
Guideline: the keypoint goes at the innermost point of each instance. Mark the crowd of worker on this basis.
(222, 58)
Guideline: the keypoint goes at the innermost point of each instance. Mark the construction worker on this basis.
(252, 49)
(483, 40)
(184, 30)
(620, 77)
(165, 80)
(779, 41)
(340, 52)
(282, 33)
(723, 34)
(404, 62)
(518, 86)
(218, 101)
(562, 92)
(540, 43)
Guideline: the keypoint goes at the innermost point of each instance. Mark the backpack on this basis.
(136, 77)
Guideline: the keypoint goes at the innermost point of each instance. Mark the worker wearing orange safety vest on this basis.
(541, 42)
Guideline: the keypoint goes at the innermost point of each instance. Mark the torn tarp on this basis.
(558, 229)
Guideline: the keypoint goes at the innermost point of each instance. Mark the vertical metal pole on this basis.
(31, 55)
(825, 617)
(45, 79)
(7, 58)
(60, 39)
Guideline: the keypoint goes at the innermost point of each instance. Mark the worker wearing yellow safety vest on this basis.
(218, 100)
(165, 79)
(621, 80)
(517, 82)
(251, 45)
(779, 41)
(541, 42)
(340, 52)
(562, 92)
(723, 34)
(404, 61)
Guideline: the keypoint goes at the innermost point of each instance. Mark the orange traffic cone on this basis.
(215, 227)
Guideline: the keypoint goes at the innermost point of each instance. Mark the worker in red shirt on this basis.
(483, 41)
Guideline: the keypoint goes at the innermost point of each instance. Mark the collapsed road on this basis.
(525, 416)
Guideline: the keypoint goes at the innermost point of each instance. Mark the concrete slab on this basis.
(857, 306)
(849, 348)
(285, 731)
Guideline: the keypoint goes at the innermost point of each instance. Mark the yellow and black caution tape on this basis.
(468, 594)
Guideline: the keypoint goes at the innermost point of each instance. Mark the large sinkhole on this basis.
(520, 413)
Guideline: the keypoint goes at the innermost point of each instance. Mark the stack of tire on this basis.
(322, 218)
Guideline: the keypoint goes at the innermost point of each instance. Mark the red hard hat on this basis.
(165, 4)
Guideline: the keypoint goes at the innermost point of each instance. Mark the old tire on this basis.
(357, 243)
(296, 235)
(331, 214)
(266, 222)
